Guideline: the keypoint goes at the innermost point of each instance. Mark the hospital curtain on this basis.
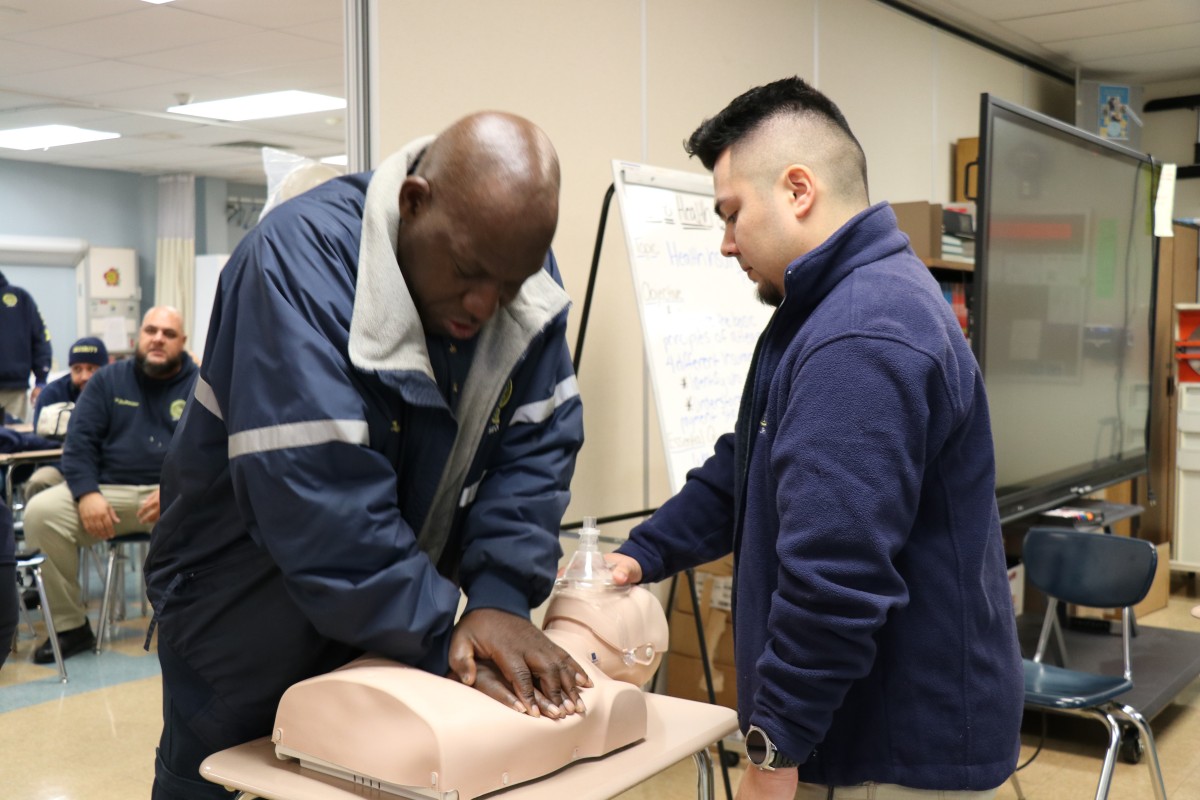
(175, 264)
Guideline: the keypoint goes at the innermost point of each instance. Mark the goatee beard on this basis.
(156, 371)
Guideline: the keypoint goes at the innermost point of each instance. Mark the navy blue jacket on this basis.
(24, 339)
(60, 390)
(333, 484)
(874, 631)
(121, 426)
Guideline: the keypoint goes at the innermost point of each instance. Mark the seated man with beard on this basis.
(120, 430)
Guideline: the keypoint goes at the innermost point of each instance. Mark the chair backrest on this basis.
(1098, 570)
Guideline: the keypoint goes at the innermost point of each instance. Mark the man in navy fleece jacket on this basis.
(874, 634)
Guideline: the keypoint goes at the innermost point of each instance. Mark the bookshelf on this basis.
(922, 223)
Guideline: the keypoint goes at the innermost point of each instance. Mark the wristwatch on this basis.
(761, 751)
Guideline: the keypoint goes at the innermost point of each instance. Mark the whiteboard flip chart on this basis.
(700, 314)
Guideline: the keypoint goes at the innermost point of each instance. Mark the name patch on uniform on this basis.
(505, 396)
(121, 401)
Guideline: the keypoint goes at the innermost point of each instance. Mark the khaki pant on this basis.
(52, 525)
(41, 480)
(883, 791)
(16, 402)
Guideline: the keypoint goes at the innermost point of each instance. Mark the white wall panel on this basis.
(878, 65)
(631, 79)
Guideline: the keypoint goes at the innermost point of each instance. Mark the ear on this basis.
(414, 197)
(801, 184)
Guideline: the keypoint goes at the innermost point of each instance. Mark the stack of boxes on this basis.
(685, 670)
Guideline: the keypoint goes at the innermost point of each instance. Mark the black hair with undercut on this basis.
(752, 108)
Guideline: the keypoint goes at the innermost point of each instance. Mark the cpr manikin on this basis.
(414, 734)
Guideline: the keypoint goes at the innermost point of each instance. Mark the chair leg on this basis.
(106, 596)
(1110, 756)
(143, 548)
(1143, 728)
(49, 620)
(1016, 783)
(25, 615)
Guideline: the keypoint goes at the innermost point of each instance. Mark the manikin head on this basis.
(621, 630)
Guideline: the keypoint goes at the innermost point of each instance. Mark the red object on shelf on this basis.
(1187, 344)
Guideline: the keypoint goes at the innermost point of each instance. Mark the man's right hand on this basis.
(539, 677)
(97, 516)
(625, 570)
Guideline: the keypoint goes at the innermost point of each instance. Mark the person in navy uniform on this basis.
(119, 433)
(24, 350)
(386, 419)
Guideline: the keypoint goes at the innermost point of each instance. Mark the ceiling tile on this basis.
(35, 14)
(270, 13)
(139, 32)
(240, 54)
(1016, 9)
(1098, 48)
(81, 83)
(1117, 19)
(17, 58)
(1151, 67)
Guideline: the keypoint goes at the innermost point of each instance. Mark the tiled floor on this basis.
(94, 737)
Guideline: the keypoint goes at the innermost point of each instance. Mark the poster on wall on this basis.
(1113, 117)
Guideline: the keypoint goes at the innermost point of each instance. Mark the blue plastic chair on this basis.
(1096, 570)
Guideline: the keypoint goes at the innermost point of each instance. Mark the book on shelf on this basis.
(955, 293)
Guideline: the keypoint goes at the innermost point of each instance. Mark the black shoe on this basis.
(71, 642)
(30, 598)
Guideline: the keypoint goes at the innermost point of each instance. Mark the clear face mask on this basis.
(624, 627)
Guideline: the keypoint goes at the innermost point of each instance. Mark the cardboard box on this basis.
(720, 592)
(966, 185)
(685, 670)
(685, 678)
(922, 222)
(718, 635)
(1016, 585)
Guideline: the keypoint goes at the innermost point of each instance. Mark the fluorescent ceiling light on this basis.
(43, 137)
(337, 161)
(158, 2)
(261, 106)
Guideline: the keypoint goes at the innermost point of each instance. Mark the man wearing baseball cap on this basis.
(87, 355)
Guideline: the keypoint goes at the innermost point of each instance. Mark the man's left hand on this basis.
(33, 395)
(147, 512)
(488, 639)
(761, 784)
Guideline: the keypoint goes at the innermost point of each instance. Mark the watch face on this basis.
(756, 747)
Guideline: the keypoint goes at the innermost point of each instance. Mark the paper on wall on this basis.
(1164, 203)
(112, 331)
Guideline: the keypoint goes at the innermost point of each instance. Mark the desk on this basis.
(10, 460)
(675, 729)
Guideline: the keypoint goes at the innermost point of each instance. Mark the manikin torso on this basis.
(418, 735)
